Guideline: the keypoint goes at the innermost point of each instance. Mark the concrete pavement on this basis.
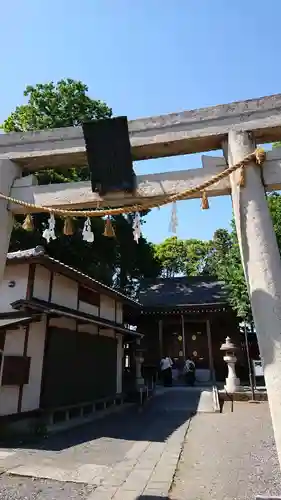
(123, 455)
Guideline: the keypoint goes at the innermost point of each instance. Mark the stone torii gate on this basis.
(235, 128)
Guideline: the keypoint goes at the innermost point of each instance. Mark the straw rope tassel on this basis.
(68, 229)
(260, 156)
(28, 224)
(205, 201)
(108, 229)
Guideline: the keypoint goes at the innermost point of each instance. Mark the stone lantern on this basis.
(232, 383)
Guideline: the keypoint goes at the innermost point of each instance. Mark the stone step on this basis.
(188, 399)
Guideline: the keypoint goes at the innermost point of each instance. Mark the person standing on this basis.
(166, 371)
(189, 371)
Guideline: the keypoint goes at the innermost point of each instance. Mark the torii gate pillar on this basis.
(9, 171)
(262, 267)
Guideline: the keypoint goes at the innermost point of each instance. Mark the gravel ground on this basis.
(229, 456)
(19, 488)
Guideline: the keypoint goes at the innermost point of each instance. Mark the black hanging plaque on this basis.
(109, 155)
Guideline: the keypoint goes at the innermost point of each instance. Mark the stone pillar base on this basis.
(232, 385)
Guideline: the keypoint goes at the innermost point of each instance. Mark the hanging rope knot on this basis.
(205, 201)
(28, 224)
(260, 155)
(109, 229)
(68, 229)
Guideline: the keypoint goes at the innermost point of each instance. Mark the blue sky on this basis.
(144, 58)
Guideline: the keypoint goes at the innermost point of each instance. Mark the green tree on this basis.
(117, 261)
(230, 270)
(196, 255)
(171, 255)
(218, 249)
(55, 105)
(178, 256)
(226, 263)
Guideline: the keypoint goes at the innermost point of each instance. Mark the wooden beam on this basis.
(181, 133)
(150, 188)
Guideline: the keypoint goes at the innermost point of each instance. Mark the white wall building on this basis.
(61, 335)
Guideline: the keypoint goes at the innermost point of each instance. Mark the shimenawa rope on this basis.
(258, 156)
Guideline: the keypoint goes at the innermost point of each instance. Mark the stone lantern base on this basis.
(232, 385)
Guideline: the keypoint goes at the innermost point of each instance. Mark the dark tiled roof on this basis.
(182, 291)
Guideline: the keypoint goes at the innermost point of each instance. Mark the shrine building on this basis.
(186, 316)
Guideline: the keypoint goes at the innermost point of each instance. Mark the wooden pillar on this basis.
(119, 364)
(210, 351)
(183, 337)
(160, 336)
(262, 266)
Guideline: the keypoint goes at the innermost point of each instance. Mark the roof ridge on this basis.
(39, 251)
(183, 278)
(29, 252)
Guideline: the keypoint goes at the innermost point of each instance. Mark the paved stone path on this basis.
(132, 455)
(123, 456)
(229, 456)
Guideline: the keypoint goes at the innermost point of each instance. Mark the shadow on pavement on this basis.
(156, 422)
(151, 497)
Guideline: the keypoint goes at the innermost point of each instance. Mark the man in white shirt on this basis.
(166, 371)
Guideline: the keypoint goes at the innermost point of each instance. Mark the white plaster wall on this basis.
(19, 274)
(119, 312)
(9, 395)
(88, 308)
(64, 291)
(41, 283)
(14, 342)
(107, 332)
(88, 328)
(66, 323)
(107, 307)
(35, 349)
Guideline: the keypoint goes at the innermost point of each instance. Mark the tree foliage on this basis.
(178, 256)
(117, 261)
(219, 257)
(231, 269)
